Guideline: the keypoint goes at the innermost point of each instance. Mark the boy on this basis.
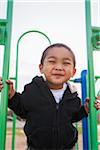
(50, 104)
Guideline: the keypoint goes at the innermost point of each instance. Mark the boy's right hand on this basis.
(1, 85)
(11, 91)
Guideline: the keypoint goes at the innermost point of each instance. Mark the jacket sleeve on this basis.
(79, 115)
(16, 103)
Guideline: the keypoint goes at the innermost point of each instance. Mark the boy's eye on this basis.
(66, 63)
(51, 61)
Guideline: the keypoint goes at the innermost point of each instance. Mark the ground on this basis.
(20, 140)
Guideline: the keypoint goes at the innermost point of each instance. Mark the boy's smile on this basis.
(58, 67)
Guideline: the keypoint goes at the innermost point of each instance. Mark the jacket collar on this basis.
(69, 93)
(40, 82)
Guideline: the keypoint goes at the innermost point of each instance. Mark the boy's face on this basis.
(58, 67)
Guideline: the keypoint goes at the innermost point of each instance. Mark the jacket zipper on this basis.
(57, 121)
(57, 106)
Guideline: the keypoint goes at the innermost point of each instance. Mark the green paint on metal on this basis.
(34, 31)
(13, 131)
(97, 77)
(91, 83)
(6, 40)
(3, 23)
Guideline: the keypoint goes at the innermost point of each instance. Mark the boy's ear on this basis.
(41, 68)
(74, 71)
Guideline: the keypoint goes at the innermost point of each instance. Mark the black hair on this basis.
(57, 45)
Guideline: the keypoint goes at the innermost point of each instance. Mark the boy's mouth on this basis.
(58, 75)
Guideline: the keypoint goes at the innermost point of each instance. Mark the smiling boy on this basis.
(49, 103)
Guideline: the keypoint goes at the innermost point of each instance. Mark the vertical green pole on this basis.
(5, 75)
(91, 83)
(13, 131)
(14, 115)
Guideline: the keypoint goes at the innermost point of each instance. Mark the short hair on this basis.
(57, 45)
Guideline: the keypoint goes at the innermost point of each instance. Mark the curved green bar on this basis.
(35, 31)
(16, 77)
(30, 31)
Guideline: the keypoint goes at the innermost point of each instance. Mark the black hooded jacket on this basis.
(49, 125)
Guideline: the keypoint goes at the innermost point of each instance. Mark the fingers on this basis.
(97, 102)
(1, 84)
(98, 97)
(1, 87)
(87, 100)
(0, 80)
(86, 104)
(9, 82)
(11, 92)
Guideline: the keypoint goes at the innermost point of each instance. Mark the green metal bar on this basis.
(97, 77)
(13, 131)
(3, 23)
(5, 75)
(33, 31)
(76, 146)
(91, 83)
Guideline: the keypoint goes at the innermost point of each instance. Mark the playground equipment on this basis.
(16, 74)
(82, 81)
(94, 44)
(5, 40)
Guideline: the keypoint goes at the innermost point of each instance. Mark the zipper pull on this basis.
(57, 106)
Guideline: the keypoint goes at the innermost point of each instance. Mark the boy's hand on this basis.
(1, 84)
(11, 90)
(86, 105)
(97, 103)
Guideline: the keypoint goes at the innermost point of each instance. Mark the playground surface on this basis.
(20, 140)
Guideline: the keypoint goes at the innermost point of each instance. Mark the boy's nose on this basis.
(58, 67)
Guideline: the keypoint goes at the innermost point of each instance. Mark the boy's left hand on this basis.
(97, 103)
(86, 105)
